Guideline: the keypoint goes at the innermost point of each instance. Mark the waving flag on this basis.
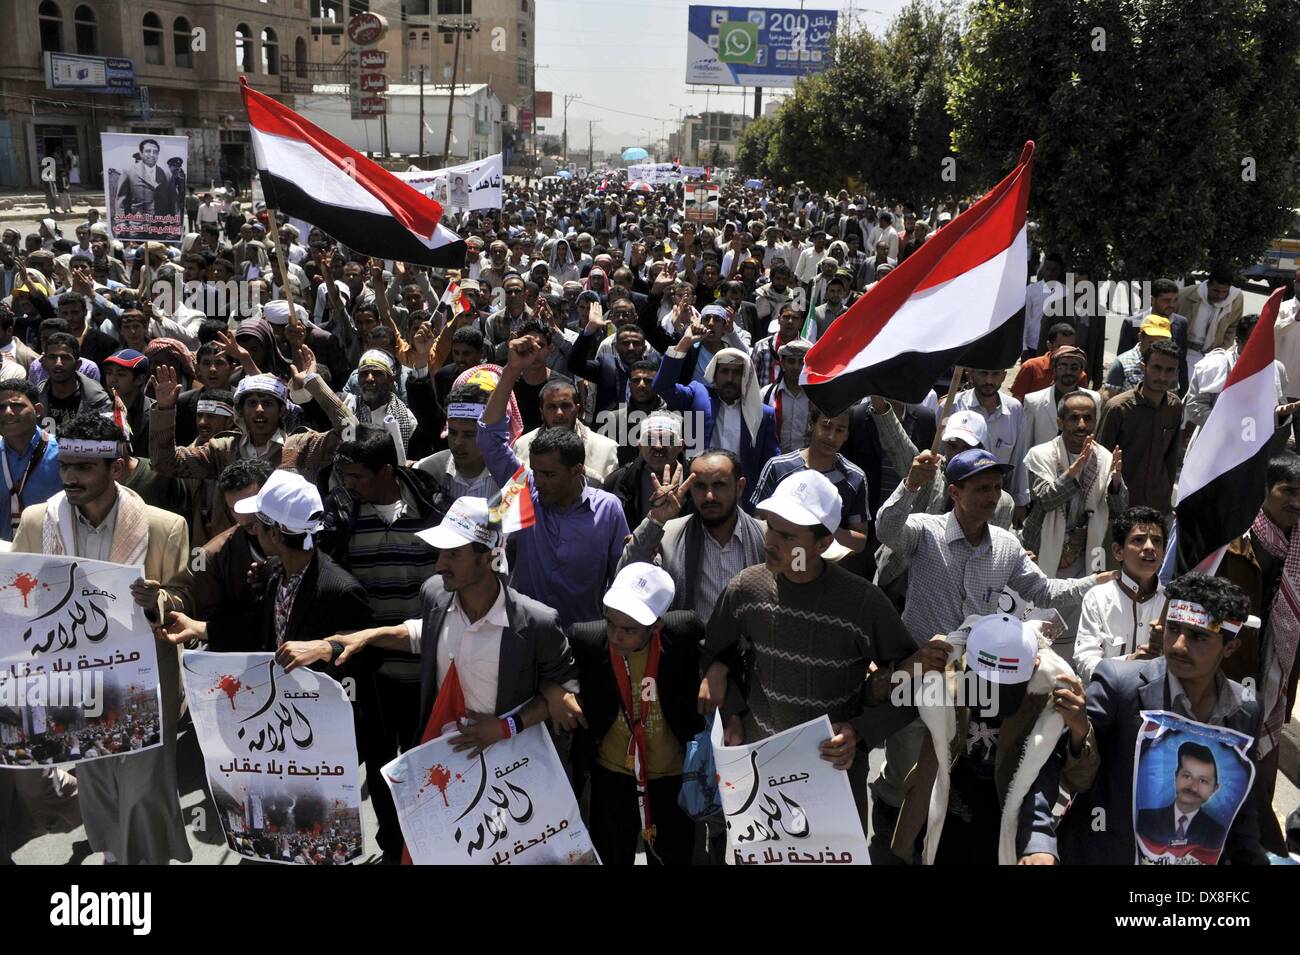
(308, 174)
(455, 301)
(959, 299)
(512, 507)
(1223, 481)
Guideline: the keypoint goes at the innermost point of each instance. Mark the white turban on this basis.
(751, 402)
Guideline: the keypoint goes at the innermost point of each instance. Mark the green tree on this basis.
(751, 149)
(1165, 131)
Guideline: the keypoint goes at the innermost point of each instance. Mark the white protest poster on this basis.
(1190, 780)
(472, 185)
(144, 185)
(78, 663)
(280, 753)
(784, 804)
(510, 805)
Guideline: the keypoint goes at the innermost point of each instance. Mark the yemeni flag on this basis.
(957, 300)
(454, 301)
(308, 174)
(511, 508)
(1224, 477)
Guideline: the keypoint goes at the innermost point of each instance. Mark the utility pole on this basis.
(567, 100)
(421, 159)
(590, 152)
(457, 25)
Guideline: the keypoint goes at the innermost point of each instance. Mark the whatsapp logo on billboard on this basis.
(738, 43)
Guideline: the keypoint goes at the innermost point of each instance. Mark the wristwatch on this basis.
(335, 649)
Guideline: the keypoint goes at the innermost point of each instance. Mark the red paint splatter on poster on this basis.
(229, 686)
(439, 778)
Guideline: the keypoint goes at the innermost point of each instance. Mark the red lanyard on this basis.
(636, 747)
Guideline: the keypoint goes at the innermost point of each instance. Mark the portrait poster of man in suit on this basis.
(1190, 780)
(144, 185)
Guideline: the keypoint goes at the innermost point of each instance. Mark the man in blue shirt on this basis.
(567, 559)
(29, 458)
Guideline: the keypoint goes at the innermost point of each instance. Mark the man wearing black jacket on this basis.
(371, 523)
(639, 676)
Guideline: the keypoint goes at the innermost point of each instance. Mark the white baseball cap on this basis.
(808, 498)
(642, 591)
(966, 426)
(288, 499)
(1001, 649)
(467, 522)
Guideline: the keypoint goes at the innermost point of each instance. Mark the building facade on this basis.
(186, 55)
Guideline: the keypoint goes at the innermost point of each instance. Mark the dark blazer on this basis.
(533, 648)
(97, 346)
(702, 400)
(625, 484)
(678, 682)
(1119, 691)
(430, 416)
(329, 601)
(604, 370)
(1159, 826)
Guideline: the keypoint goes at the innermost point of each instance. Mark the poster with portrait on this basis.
(469, 186)
(145, 185)
(784, 804)
(78, 663)
(280, 753)
(509, 805)
(1190, 780)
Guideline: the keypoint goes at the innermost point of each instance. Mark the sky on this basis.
(627, 60)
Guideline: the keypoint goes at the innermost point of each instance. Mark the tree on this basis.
(1164, 131)
(751, 148)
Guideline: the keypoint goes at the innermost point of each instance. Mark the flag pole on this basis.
(953, 385)
(273, 226)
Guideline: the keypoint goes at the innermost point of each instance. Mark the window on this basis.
(522, 75)
(523, 6)
(244, 49)
(448, 39)
(182, 38)
(51, 19)
(424, 40)
(86, 27)
(153, 40)
(270, 52)
(300, 58)
(523, 39)
(451, 8)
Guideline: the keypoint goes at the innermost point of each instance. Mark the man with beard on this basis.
(1036, 373)
(659, 439)
(261, 401)
(705, 549)
(1068, 363)
(129, 805)
(1004, 419)
(376, 373)
(727, 404)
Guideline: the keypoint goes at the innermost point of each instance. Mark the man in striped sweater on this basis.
(371, 522)
(815, 629)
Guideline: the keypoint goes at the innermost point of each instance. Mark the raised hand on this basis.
(422, 343)
(667, 496)
(305, 367)
(165, 388)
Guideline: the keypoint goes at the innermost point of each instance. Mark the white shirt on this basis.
(726, 430)
(1112, 624)
(1036, 298)
(1007, 437)
(476, 648)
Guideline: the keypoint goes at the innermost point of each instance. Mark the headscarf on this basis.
(171, 348)
(594, 270)
(488, 377)
(751, 402)
(554, 261)
(260, 329)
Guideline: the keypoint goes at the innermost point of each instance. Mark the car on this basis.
(1278, 265)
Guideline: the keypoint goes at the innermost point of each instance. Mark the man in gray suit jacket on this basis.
(703, 551)
(503, 643)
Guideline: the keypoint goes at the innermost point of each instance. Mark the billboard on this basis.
(756, 46)
(89, 74)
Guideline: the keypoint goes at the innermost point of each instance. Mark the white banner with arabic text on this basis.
(472, 185)
(784, 804)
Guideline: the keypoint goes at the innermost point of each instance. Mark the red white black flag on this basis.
(310, 175)
(959, 299)
(1224, 477)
